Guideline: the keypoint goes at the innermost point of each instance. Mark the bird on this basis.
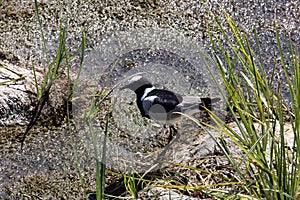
(162, 104)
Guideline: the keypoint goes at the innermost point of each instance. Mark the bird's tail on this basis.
(196, 103)
(206, 103)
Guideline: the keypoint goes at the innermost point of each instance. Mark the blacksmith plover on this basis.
(164, 105)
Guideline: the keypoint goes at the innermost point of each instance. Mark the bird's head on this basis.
(137, 82)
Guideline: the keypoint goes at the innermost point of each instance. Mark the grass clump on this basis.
(270, 163)
(55, 68)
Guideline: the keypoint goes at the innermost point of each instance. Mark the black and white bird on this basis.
(164, 105)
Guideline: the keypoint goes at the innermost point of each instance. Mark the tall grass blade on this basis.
(103, 161)
(42, 32)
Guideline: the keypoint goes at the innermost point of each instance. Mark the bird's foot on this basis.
(173, 132)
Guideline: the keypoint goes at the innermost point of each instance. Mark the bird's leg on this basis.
(171, 135)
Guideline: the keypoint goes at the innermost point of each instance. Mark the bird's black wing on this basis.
(168, 99)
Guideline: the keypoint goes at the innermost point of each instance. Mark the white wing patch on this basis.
(146, 92)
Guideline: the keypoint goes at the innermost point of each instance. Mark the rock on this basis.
(18, 96)
(164, 194)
